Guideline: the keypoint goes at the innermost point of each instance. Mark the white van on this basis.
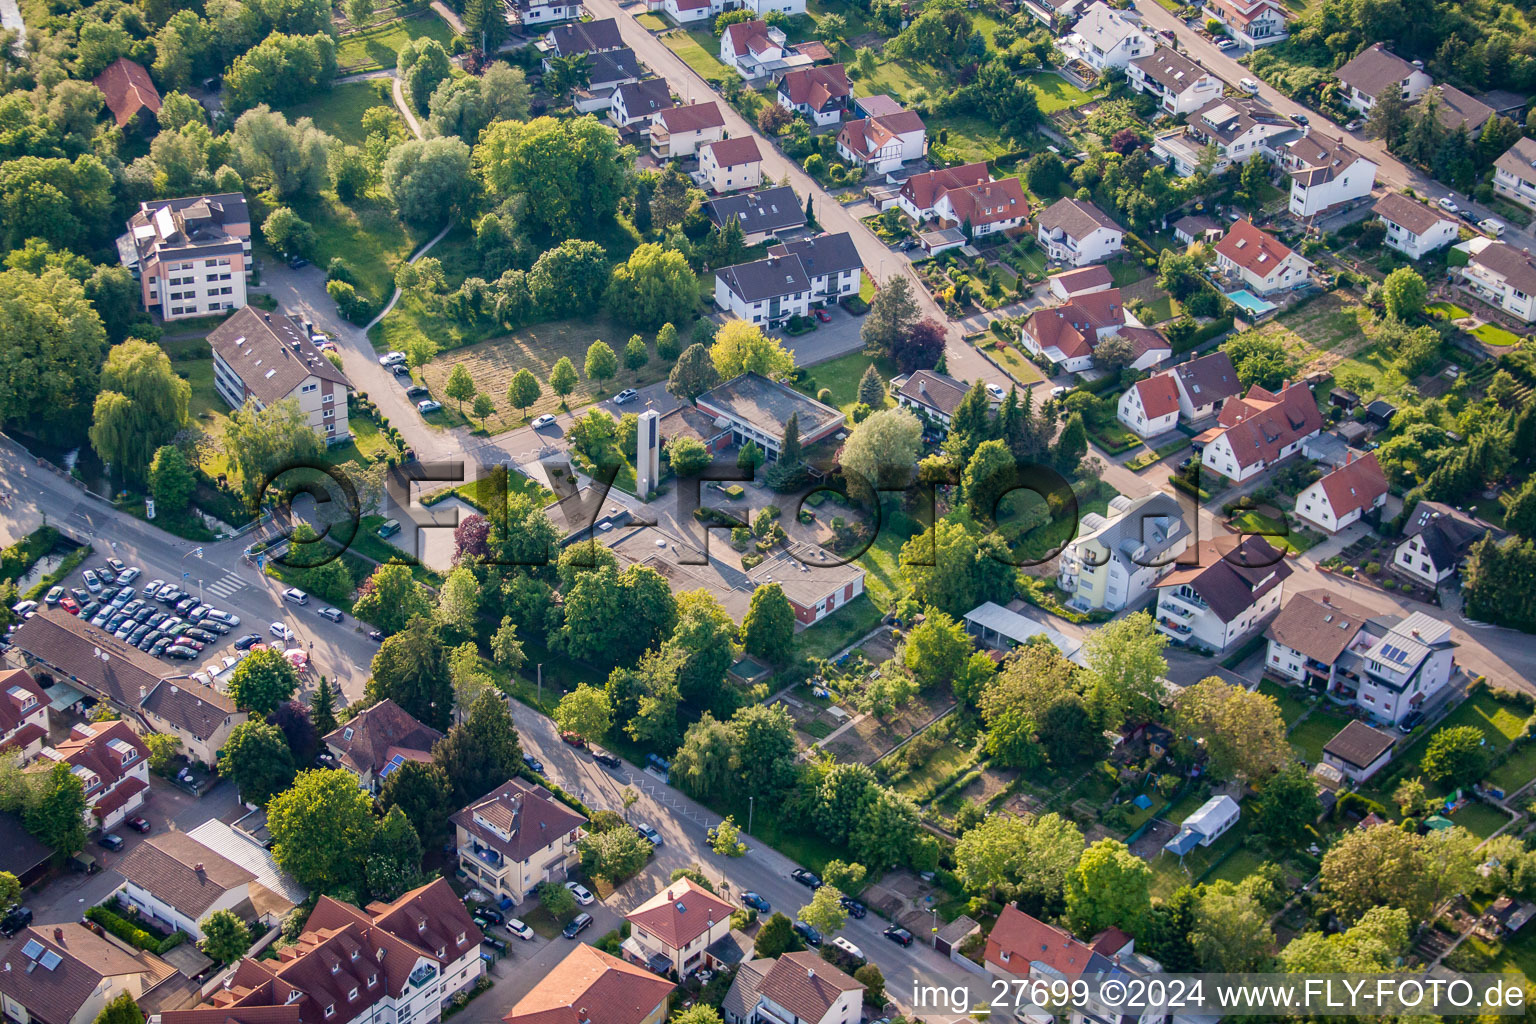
(1249, 86)
(295, 596)
(1493, 227)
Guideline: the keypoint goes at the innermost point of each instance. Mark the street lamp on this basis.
(751, 805)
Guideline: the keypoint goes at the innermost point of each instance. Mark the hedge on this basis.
(18, 559)
(132, 934)
(1221, 325)
(70, 563)
(559, 794)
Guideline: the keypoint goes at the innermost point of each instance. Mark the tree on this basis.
(872, 388)
(142, 404)
(892, 314)
(1404, 294)
(636, 354)
(50, 350)
(585, 712)
(394, 856)
(616, 854)
(56, 811)
(1071, 446)
(1376, 867)
(1260, 359)
(1108, 887)
(765, 748)
(460, 385)
(1231, 930)
(1456, 756)
(359, 12)
(120, 1009)
(288, 233)
(705, 764)
(880, 452)
(481, 752)
(391, 597)
(1411, 797)
(874, 984)
(741, 347)
(1287, 806)
(171, 480)
(727, 839)
(883, 834)
(225, 936)
(775, 938)
(423, 64)
(163, 748)
(601, 363)
(257, 757)
(565, 74)
(294, 158)
(570, 171)
(265, 441)
(825, 912)
(556, 899)
(948, 567)
(562, 378)
(693, 374)
(1243, 731)
(750, 457)
(482, 408)
(1388, 118)
(322, 827)
(569, 279)
(423, 791)
(704, 634)
(936, 649)
(411, 668)
(262, 681)
(322, 707)
(523, 391)
(611, 616)
(654, 286)
(1125, 667)
(768, 630)
(506, 648)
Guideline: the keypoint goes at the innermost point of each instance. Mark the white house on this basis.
(1077, 233)
(515, 838)
(1436, 539)
(1258, 430)
(1325, 173)
(1253, 23)
(1209, 823)
(1105, 38)
(540, 12)
(688, 12)
(1226, 131)
(1068, 334)
(920, 193)
(267, 358)
(1343, 496)
(762, 215)
(1082, 281)
(931, 394)
(1116, 557)
(176, 879)
(112, 764)
(1204, 384)
(608, 71)
(1150, 407)
(1385, 666)
(1180, 85)
(766, 292)
(820, 93)
(1415, 229)
(797, 988)
(1358, 751)
(1262, 262)
(985, 208)
(1514, 173)
(191, 255)
(1214, 603)
(882, 144)
(1376, 71)
(635, 103)
(1503, 276)
(23, 714)
(731, 164)
(757, 50)
(832, 264)
(67, 974)
(680, 131)
(673, 930)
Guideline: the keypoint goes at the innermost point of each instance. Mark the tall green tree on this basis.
(652, 287)
(1242, 731)
(262, 681)
(1109, 887)
(562, 378)
(704, 633)
(1287, 806)
(585, 712)
(265, 441)
(570, 170)
(693, 374)
(460, 386)
(602, 363)
(394, 856)
(171, 480)
(141, 406)
(1125, 670)
(892, 315)
(825, 912)
(765, 748)
(322, 828)
(56, 812)
(391, 598)
(322, 707)
(768, 630)
(225, 936)
(121, 1009)
(523, 390)
(481, 752)
(1404, 294)
(258, 760)
(411, 668)
(423, 791)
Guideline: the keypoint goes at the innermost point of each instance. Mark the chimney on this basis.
(58, 936)
(201, 874)
(143, 692)
(810, 971)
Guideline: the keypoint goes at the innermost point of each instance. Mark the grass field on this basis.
(651, 21)
(936, 766)
(841, 377)
(1169, 874)
(1309, 737)
(1056, 93)
(1447, 310)
(1280, 534)
(1290, 706)
(1015, 365)
(695, 53)
(1493, 334)
(1518, 771)
(339, 113)
(1480, 819)
(1501, 723)
(367, 234)
(841, 628)
(379, 47)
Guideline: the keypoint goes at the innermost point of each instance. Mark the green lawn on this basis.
(1278, 533)
(1518, 771)
(1013, 362)
(651, 21)
(366, 233)
(1501, 723)
(841, 377)
(339, 113)
(1447, 310)
(1310, 736)
(1237, 867)
(1126, 272)
(1480, 819)
(1291, 706)
(1169, 874)
(379, 47)
(841, 628)
(941, 763)
(1159, 310)
(696, 54)
(1056, 93)
(1493, 334)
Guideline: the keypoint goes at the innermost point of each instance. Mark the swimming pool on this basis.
(1254, 305)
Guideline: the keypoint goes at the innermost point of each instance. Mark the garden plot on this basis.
(873, 737)
(815, 717)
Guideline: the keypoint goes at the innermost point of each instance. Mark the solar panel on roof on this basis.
(394, 762)
(33, 949)
(50, 960)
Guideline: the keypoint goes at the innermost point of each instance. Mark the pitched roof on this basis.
(271, 354)
(104, 749)
(868, 135)
(366, 743)
(610, 66)
(1170, 69)
(1413, 215)
(1227, 117)
(128, 90)
(766, 278)
(589, 986)
(1254, 250)
(69, 645)
(191, 707)
(734, 152)
(816, 86)
(182, 872)
(989, 201)
(1210, 378)
(937, 390)
(1083, 279)
(771, 209)
(923, 190)
(1457, 108)
(517, 819)
(878, 105)
(1262, 423)
(1075, 218)
(1519, 159)
(695, 117)
(742, 34)
(806, 985)
(1321, 158)
(1231, 581)
(17, 688)
(822, 254)
(1073, 327)
(1197, 225)
(286, 1014)
(586, 36)
(1446, 533)
(53, 970)
(1355, 485)
(1318, 624)
(1158, 394)
(1105, 27)
(647, 97)
(1144, 340)
(1516, 266)
(1358, 744)
(1373, 69)
(680, 913)
(1027, 939)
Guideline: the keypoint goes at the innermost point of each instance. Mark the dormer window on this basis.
(330, 1010)
(421, 925)
(373, 979)
(352, 994)
(336, 967)
(442, 952)
(460, 939)
(347, 733)
(294, 996)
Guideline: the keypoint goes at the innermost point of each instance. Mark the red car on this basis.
(823, 316)
(69, 605)
(573, 739)
(138, 824)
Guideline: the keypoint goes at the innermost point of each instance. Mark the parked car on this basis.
(130, 574)
(996, 392)
(376, 635)
(900, 936)
(756, 902)
(853, 906)
(111, 841)
(540, 422)
(54, 596)
(138, 824)
(402, 370)
(604, 758)
(69, 604)
(117, 567)
(281, 631)
(80, 594)
(1354, 125)
(417, 391)
(1410, 721)
(627, 395)
(334, 614)
(298, 263)
(491, 914)
(429, 405)
(809, 879)
(391, 358)
(1301, 119)
(180, 652)
(15, 921)
(582, 893)
(160, 646)
(823, 316)
(573, 739)
(92, 581)
(518, 928)
(534, 764)
(248, 641)
(1492, 227)
(227, 618)
(849, 948)
(293, 595)
(22, 609)
(1226, 43)
(810, 935)
(202, 636)
(1447, 204)
(495, 943)
(580, 923)
(650, 834)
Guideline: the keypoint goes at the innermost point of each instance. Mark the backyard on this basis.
(841, 377)
(339, 113)
(1312, 733)
(698, 49)
(379, 47)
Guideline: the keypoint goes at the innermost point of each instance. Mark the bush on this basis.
(132, 934)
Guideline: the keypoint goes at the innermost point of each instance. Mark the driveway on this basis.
(828, 341)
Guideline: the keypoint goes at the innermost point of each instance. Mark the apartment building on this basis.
(1215, 603)
(515, 838)
(190, 255)
(1116, 557)
(268, 358)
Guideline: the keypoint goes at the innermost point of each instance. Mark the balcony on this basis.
(490, 856)
(422, 975)
(1175, 627)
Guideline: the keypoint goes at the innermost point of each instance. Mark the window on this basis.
(373, 979)
(352, 994)
(330, 1010)
(460, 939)
(308, 388)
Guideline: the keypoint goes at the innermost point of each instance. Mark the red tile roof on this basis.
(741, 34)
(16, 688)
(1252, 249)
(1028, 940)
(1355, 485)
(591, 987)
(806, 985)
(1261, 423)
(1073, 327)
(923, 190)
(366, 743)
(1159, 396)
(740, 150)
(90, 746)
(680, 913)
(128, 90)
(817, 86)
(695, 117)
(989, 202)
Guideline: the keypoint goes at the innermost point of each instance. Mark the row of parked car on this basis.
(109, 601)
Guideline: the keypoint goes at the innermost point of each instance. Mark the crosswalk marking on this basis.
(226, 585)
